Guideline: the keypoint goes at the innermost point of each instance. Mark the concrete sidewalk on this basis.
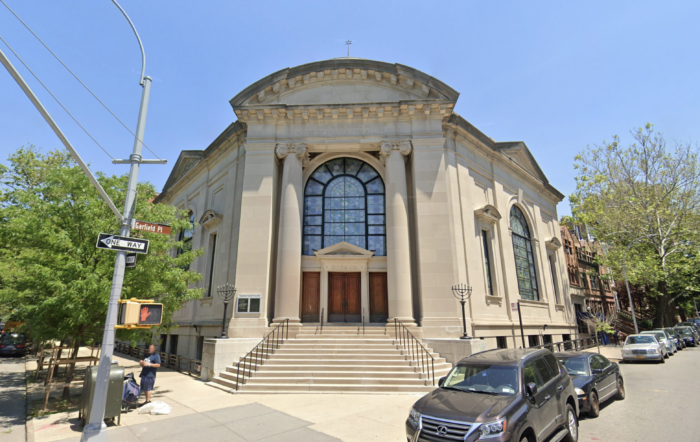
(200, 412)
(12, 400)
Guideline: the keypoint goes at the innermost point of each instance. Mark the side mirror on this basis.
(441, 381)
(531, 389)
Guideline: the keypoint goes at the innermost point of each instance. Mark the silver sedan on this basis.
(643, 347)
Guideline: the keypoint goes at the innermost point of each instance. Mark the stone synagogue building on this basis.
(348, 193)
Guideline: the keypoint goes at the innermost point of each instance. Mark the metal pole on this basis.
(35, 101)
(464, 321)
(520, 318)
(223, 321)
(96, 430)
(627, 284)
(696, 309)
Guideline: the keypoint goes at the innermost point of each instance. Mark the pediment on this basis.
(344, 81)
(344, 249)
(488, 213)
(186, 162)
(210, 219)
(520, 154)
(553, 243)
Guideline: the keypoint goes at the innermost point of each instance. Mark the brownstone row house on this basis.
(590, 283)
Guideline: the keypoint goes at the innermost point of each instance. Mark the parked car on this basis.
(671, 336)
(13, 344)
(520, 395)
(688, 335)
(643, 347)
(596, 379)
(676, 335)
(664, 339)
(693, 324)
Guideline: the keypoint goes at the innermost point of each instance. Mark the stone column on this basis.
(288, 285)
(397, 236)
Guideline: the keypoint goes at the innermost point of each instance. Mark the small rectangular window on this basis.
(501, 342)
(487, 261)
(533, 340)
(248, 304)
(212, 256)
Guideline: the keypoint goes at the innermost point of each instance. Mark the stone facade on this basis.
(448, 192)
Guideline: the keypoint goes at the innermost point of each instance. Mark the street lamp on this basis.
(226, 292)
(462, 292)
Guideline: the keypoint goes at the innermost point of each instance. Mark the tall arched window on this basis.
(186, 235)
(344, 201)
(524, 260)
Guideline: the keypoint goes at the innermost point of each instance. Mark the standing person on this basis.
(150, 365)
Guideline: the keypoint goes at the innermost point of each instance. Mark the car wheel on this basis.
(666, 356)
(525, 439)
(571, 425)
(595, 405)
(662, 360)
(620, 390)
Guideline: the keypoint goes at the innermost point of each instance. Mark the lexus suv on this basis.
(519, 395)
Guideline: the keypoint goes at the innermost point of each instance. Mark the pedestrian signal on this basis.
(139, 313)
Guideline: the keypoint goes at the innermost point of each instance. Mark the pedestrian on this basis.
(150, 365)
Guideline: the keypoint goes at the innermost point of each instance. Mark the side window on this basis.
(530, 375)
(543, 370)
(603, 361)
(553, 365)
(595, 363)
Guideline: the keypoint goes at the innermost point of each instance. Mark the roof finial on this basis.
(348, 43)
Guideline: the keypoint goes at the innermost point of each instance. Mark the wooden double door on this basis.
(344, 297)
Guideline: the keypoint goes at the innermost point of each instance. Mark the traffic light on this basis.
(139, 313)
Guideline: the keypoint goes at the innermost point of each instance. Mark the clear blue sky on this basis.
(557, 75)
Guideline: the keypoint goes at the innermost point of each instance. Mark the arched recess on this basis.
(523, 253)
(325, 157)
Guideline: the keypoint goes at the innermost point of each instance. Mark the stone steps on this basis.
(341, 360)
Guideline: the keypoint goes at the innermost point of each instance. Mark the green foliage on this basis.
(52, 276)
(643, 196)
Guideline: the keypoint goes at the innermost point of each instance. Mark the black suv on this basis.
(499, 395)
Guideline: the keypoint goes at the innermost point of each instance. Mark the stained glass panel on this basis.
(347, 206)
(367, 173)
(524, 259)
(375, 186)
(314, 188)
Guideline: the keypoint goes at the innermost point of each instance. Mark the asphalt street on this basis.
(12, 400)
(662, 404)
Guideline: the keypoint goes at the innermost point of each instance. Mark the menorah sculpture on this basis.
(226, 292)
(462, 292)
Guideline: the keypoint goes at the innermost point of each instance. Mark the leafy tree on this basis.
(644, 195)
(52, 277)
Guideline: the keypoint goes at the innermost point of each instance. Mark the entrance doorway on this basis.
(378, 298)
(344, 300)
(311, 297)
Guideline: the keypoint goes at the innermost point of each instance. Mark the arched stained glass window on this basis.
(524, 260)
(344, 201)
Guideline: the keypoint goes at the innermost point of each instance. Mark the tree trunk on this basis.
(58, 356)
(662, 310)
(70, 371)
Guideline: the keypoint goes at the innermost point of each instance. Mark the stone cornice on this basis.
(488, 214)
(553, 243)
(350, 111)
(343, 70)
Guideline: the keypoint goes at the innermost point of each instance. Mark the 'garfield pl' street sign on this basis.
(122, 243)
(150, 227)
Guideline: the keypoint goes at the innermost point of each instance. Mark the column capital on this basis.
(284, 149)
(403, 146)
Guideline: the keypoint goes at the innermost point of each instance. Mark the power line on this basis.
(75, 76)
(54, 97)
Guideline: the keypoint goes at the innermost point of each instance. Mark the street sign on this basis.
(514, 306)
(130, 260)
(122, 243)
(150, 227)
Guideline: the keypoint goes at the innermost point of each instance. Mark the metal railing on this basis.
(193, 367)
(415, 350)
(262, 352)
(363, 320)
(573, 344)
(322, 314)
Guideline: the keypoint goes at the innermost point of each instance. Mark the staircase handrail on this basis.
(265, 348)
(408, 342)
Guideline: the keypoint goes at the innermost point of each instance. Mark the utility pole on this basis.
(348, 43)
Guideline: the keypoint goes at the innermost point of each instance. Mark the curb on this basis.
(28, 422)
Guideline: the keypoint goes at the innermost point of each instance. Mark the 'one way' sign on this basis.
(122, 243)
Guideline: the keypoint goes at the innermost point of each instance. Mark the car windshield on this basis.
(684, 331)
(659, 335)
(478, 378)
(575, 366)
(640, 340)
(13, 338)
